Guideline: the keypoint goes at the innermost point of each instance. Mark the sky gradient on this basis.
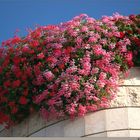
(23, 14)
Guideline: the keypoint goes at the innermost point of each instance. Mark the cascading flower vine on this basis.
(68, 69)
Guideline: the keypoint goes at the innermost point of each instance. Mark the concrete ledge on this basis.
(115, 122)
(117, 133)
(133, 78)
(112, 122)
(1, 128)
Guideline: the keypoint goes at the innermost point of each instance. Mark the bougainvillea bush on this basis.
(68, 69)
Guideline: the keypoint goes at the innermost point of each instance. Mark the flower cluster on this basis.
(68, 69)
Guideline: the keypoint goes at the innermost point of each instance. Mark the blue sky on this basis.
(22, 14)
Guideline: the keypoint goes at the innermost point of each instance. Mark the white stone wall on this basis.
(121, 120)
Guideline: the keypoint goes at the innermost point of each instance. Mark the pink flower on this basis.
(88, 87)
(94, 71)
(83, 15)
(92, 39)
(117, 34)
(58, 46)
(71, 70)
(78, 40)
(95, 98)
(117, 16)
(104, 99)
(102, 76)
(87, 66)
(81, 71)
(44, 113)
(73, 33)
(49, 75)
(71, 109)
(39, 98)
(97, 49)
(81, 110)
(129, 56)
(84, 29)
(51, 102)
(53, 113)
(104, 105)
(57, 52)
(127, 41)
(39, 80)
(103, 41)
(92, 107)
(74, 85)
(105, 19)
(65, 86)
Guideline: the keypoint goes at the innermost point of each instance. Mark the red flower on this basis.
(16, 60)
(16, 84)
(129, 31)
(11, 104)
(7, 74)
(24, 77)
(23, 100)
(50, 27)
(25, 92)
(55, 70)
(132, 17)
(129, 57)
(7, 84)
(31, 52)
(23, 59)
(25, 49)
(0, 88)
(130, 64)
(18, 74)
(68, 50)
(13, 107)
(28, 72)
(137, 41)
(3, 99)
(31, 109)
(40, 56)
(36, 34)
(3, 118)
(34, 43)
(37, 70)
(50, 59)
(6, 62)
(62, 66)
(1, 69)
(16, 40)
(122, 35)
(14, 110)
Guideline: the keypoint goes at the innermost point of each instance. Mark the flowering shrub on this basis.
(68, 69)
